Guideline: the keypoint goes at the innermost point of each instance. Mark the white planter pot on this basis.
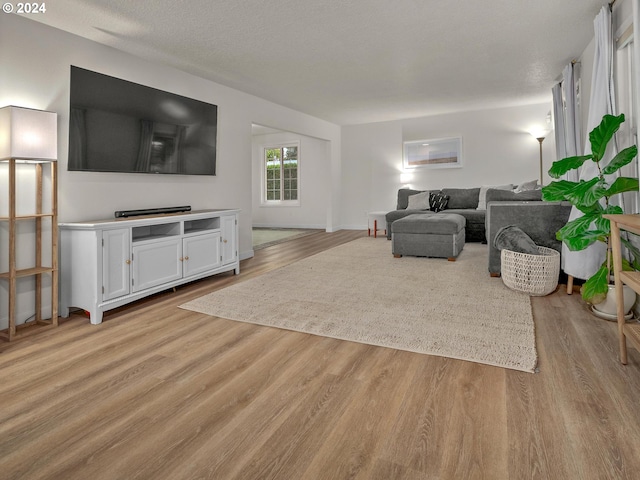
(608, 308)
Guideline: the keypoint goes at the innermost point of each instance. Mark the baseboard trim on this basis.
(304, 227)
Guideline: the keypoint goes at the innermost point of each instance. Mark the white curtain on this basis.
(566, 114)
(566, 109)
(570, 75)
(558, 121)
(584, 263)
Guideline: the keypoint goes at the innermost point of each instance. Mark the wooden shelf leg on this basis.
(570, 285)
(11, 330)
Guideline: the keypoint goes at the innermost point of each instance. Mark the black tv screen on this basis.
(121, 126)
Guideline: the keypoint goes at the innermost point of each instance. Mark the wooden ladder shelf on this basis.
(38, 270)
(630, 331)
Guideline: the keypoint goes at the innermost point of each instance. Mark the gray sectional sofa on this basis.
(540, 220)
(463, 201)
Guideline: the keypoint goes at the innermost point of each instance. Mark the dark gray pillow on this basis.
(514, 239)
(438, 201)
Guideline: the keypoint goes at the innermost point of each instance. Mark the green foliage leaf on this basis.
(560, 167)
(627, 265)
(613, 210)
(595, 289)
(634, 262)
(587, 193)
(620, 160)
(596, 208)
(600, 136)
(578, 235)
(604, 224)
(623, 184)
(557, 191)
(575, 227)
(582, 241)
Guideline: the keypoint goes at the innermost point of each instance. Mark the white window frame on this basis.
(263, 177)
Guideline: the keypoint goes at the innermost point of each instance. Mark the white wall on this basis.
(314, 173)
(496, 145)
(35, 61)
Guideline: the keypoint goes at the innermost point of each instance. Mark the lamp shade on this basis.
(539, 132)
(28, 134)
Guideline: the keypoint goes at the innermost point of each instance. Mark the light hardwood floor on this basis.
(157, 392)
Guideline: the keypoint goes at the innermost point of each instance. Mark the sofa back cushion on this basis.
(495, 195)
(403, 197)
(461, 198)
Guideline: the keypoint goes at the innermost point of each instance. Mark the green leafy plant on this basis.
(592, 198)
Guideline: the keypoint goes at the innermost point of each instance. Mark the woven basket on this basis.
(536, 275)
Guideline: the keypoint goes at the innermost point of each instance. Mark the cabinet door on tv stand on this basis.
(229, 226)
(201, 253)
(116, 271)
(156, 263)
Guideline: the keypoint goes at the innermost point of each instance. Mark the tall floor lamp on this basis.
(540, 139)
(29, 136)
(540, 136)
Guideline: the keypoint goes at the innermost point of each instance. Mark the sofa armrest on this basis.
(539, 220)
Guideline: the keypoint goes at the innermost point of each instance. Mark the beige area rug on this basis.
(359, 292)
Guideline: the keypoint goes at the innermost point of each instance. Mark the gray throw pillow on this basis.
(403, 197)
(482, 197)
(418, 201)
(526, 186)
(514, 239)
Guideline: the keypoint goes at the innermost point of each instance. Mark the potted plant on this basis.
(592, 197)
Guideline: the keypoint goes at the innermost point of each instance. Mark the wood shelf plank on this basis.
(632, 279)
(28, 272)
(28, 217)
(632, 332)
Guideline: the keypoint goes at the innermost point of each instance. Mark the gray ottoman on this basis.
(428, 235)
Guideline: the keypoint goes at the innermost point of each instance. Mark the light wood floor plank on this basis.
(360, 434)
(157, 392)
(249, 432)
(181, 415)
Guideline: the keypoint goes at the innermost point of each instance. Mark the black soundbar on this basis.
(151, 211)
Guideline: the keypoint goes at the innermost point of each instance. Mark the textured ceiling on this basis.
(351, 61)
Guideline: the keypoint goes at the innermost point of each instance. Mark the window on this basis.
(281, 167)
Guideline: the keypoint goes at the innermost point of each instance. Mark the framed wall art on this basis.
(434, 153)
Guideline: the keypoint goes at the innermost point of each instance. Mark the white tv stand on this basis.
(105, 264)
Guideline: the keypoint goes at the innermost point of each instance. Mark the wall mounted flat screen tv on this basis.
(120, 126)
